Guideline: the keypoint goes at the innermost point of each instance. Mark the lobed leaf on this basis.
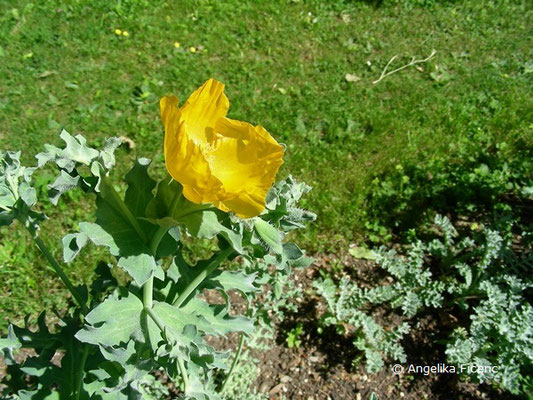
(115, 321)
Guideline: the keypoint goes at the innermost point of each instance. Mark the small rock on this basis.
(285, 379)
(275, 389)
(314, 359)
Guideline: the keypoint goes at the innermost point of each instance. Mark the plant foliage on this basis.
(118, 334)
(480, 277)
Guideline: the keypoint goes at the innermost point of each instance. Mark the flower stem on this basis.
(158, 236)
(207, 270)
(58, 270)
(234, 363)
(81, 372)
(148, 290)
(148, 287)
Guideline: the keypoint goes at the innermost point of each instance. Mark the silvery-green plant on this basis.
(482, 275)
(117, 335)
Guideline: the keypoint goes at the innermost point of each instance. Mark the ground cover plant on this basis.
(450, 136)
(481, 281)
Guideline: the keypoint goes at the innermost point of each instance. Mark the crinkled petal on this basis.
(245, 159)
(202, 110)
(184, 159)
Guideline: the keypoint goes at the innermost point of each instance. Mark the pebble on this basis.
(276, 389)
(285, 379)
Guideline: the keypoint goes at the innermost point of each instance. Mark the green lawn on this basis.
(284, 63)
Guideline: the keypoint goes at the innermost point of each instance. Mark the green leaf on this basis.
(107, 155)
(117, 321)
(213, 319)
(63, 183)
(177, 319)
(76, 150)
(206, 225)
(43, 393)
(278, 290)
(11, 342)
(103, 281)
(50, 154)
(170, 243)
(228, 280)
(292, 252)
(120, 226)
(51, 378)
(113, 322)
(72, 244)
(74, 153)
(161, 205)
(121, 239)
(140, 187)
(199, 220)
(302, 262)
(218, 321)
(140, 267)
(282, 205)
(115, 230)
(7, 197)
(269, 234)
(17, 196)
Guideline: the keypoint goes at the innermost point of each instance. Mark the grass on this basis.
(284, 64)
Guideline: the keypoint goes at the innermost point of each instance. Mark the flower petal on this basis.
(184, 160)
(203, 108)
(170, 115)
(245, 159)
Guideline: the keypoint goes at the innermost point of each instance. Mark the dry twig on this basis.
(413, 61)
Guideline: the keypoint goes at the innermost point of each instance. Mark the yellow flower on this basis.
(176, 45)
(192, 49)
(118, 32)
(125, 33)
(228, 163)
